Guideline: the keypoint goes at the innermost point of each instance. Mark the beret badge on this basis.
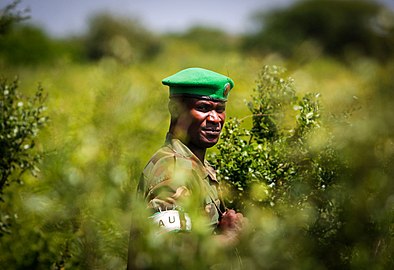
(227, 88)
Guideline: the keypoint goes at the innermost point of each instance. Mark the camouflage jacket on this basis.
(175, 174)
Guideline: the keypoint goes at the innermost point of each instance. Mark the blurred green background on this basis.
(108, 114)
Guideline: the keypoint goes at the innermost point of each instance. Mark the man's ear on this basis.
(174, 107)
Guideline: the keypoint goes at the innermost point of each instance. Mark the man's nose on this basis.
(214, 117)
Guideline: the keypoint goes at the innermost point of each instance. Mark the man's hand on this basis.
(231, 226)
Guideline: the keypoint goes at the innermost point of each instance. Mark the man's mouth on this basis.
(214, 132)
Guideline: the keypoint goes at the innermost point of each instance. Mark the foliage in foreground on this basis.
(77, 216)
(303, 186)
(274, 161)
(306, 185)
(285, 161)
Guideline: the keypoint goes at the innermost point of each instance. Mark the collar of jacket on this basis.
(181, 149)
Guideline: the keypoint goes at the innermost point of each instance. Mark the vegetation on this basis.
(10, 16)
(293, 166)
(20, 121)
(324, 26)
(276, 163)
(307, 153)
(123, 39)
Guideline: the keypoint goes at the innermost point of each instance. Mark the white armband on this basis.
(172, 220)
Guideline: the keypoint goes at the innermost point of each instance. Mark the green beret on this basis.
(200, 83)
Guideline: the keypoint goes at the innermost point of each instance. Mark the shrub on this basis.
(284, 162)
(274, 154)
(317, 192)
(21, 119)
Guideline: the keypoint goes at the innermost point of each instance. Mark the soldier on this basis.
(178, 171)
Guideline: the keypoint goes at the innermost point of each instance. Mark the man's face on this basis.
(203, 120)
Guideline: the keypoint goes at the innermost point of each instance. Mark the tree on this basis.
(120, 38)
(9, 16)
(28, 45)
(209, 39)
(24, 44)
(328, 26)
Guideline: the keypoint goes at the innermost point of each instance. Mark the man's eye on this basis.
(220, 109)
(203, 108)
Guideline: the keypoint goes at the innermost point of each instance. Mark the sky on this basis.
(68, 17)
(63, 17)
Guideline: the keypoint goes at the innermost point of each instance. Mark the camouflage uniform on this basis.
(175, 173)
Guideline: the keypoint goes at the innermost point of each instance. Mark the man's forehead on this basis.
(190, 99)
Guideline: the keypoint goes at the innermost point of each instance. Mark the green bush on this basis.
(271, 161)
(21, 119)
(316, 187)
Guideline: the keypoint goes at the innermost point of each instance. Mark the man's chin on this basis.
(210, 142)
(210, 138)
